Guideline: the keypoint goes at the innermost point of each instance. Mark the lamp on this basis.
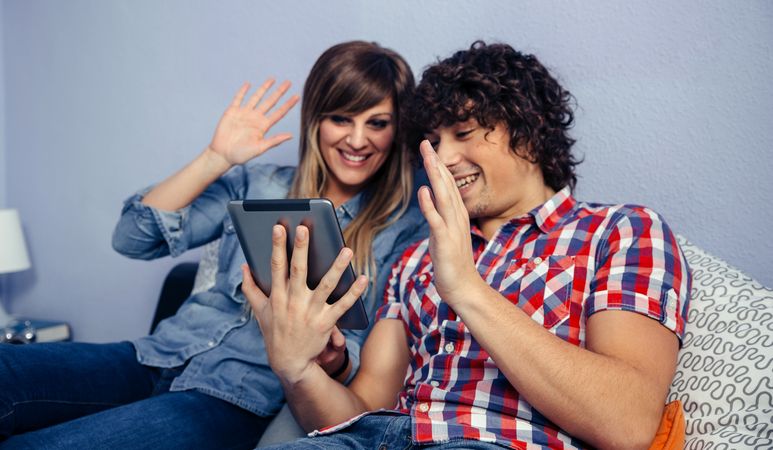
(13, 251)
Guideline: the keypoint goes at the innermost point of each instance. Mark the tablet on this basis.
(254, 219)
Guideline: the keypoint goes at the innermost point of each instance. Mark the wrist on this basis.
(292, 377)
(342, 370)
(468, 290)
(215, 161)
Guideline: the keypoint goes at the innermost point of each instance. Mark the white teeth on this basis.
(354, 158)
(462, 182)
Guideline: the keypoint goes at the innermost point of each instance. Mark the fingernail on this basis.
(277, 230)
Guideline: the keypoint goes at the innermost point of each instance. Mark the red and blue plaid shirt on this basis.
(560, 263)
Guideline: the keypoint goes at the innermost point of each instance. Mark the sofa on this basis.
(724, 375)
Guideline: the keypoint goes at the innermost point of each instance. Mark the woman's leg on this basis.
(49, 383)
(172, 420)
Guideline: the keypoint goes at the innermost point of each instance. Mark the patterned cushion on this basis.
(724, 377)
(205, 276)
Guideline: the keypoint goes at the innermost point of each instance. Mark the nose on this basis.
(448, 153)
(357, 138)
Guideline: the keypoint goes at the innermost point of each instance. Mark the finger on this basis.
(282, 110)
(454, 212)
(278, 259)
(454, 196)
(343, 304)
(300, 260)
(255, 296)
(273, 141)
(259, 93)
(273, 98)
(432, 166)
(427, 207)
(337, 339)
(330, 280)
(237, 101)
(440, 188)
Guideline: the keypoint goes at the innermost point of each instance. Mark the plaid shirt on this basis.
(560, 263)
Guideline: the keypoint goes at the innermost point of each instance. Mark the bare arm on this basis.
(317, 401)
(609, 394)
(240, 136)
(297, 323)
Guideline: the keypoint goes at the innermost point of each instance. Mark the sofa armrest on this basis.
(176, 289)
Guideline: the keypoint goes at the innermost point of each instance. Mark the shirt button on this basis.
(423, 407)
(537, 260)
(449, 348)
(230, 228)
(423, 277)
(434, 383)
(211, 343)
(242, 319)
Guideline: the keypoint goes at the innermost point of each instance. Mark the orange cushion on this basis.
(670, 434)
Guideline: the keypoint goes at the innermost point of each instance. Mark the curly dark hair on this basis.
(496, 84)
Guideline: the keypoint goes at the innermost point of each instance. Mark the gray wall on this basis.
(2, 121)
(104, 97)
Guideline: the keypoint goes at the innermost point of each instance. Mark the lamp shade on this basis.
(13, 251)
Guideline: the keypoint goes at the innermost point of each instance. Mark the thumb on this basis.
(254, 295)
(337, 339)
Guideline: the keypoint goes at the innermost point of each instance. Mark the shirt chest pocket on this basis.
(542, 287)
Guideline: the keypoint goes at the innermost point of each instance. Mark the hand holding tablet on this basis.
(254, 220)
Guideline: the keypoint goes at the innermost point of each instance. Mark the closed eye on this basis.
(463, 134)
(338, 119)
(379, 124)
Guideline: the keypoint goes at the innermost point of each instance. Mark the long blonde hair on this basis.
(349, 78)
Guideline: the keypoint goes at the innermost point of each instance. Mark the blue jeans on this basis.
(77, 395)
(378, 431)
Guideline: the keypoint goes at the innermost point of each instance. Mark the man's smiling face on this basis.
(494, 182)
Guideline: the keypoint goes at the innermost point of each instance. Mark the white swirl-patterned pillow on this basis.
(724, 376)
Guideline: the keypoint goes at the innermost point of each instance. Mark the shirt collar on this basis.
(351, 207)
(546, 216)
(551, 213)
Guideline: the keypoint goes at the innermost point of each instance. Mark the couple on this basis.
(508, 326)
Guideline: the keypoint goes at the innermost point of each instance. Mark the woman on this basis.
(202, 379)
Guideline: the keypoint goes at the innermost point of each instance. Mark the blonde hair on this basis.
(349, 78)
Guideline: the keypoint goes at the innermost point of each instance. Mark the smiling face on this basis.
(495, 184)
(354, 147)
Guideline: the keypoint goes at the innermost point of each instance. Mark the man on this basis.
(525, 319)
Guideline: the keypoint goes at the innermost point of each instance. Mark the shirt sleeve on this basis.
(392, 307)
(640, 268)
(145, 232)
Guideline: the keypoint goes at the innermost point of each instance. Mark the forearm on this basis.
(583, 392)
(180, 189)
(318, 401)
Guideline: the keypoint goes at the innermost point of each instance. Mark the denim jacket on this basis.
(214, 332)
